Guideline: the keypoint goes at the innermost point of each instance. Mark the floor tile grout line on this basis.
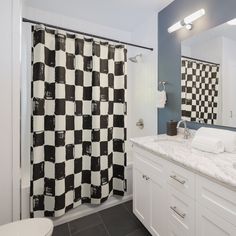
(104, 224)
(68, 225)
(126, 208)
(87, 227)
(131, 233)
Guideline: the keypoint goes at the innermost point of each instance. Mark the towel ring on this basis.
(163, 83)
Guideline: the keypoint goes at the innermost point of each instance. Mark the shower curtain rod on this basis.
(196, 59)
(86, 34)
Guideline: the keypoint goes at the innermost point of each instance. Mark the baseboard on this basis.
(88, 209)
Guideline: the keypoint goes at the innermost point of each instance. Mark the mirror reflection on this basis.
(208, 76)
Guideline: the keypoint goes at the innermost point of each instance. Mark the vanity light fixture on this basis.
(187, 21)
(232, 22)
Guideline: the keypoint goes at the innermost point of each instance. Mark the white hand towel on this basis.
(227, 137)
(207, 144)
(161, 99)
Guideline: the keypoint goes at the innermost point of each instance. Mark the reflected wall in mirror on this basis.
(208, 76)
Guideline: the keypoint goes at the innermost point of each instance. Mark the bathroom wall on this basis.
(210, 50)
(9, 139)
(229, 81)
(169, 47)
(144, 78)
(6, 113)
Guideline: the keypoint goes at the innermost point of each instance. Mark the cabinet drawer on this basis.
(216, 198)
(175, 230)
(181, 213)
(151, 170)
(208, 223)
(181, 179)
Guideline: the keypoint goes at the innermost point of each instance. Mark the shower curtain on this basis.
(78, 121)
(200, 85)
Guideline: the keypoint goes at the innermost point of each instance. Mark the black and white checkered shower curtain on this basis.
(78, 121)
(199, 95)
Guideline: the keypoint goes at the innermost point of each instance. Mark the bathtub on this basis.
(83, 210)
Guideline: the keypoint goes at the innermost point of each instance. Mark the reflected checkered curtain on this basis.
(78, 121)
(199, 95)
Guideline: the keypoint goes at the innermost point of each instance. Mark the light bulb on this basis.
(232, 22)
(175, 27)
(191, 18)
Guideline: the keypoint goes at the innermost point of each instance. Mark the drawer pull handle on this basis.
(182, 215)
(174, 177)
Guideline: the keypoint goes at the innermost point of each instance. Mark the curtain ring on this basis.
(39, 27)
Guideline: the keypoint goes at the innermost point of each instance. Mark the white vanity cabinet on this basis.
(173, 201)
(149, 193)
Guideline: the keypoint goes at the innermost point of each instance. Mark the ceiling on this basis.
(121, 14)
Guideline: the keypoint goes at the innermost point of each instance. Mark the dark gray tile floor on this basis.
(115, 221)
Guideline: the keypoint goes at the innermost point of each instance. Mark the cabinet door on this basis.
(141, 197)
(181, 213)
(208, 223)
(176, 230)
(157, 208)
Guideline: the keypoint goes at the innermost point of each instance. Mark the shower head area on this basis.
(136, 58)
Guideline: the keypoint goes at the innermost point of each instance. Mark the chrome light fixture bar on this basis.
(187, 21)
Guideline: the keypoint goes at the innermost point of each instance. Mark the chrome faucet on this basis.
(186, 130)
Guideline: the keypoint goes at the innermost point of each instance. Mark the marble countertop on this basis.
(220, 167)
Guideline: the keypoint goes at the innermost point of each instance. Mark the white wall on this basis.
(9, 108)
(209, 50)
(185, 50)
(73, 23)
(6, 112)
(144, 78)
(229, 82)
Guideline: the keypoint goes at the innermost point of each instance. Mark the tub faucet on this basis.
(186, 130)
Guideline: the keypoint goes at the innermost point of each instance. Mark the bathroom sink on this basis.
(172, 145)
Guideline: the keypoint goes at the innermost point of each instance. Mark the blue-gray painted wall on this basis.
(169, 47)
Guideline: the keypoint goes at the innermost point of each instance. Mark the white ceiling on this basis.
(119, 14)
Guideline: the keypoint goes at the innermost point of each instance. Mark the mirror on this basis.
(208, 76)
